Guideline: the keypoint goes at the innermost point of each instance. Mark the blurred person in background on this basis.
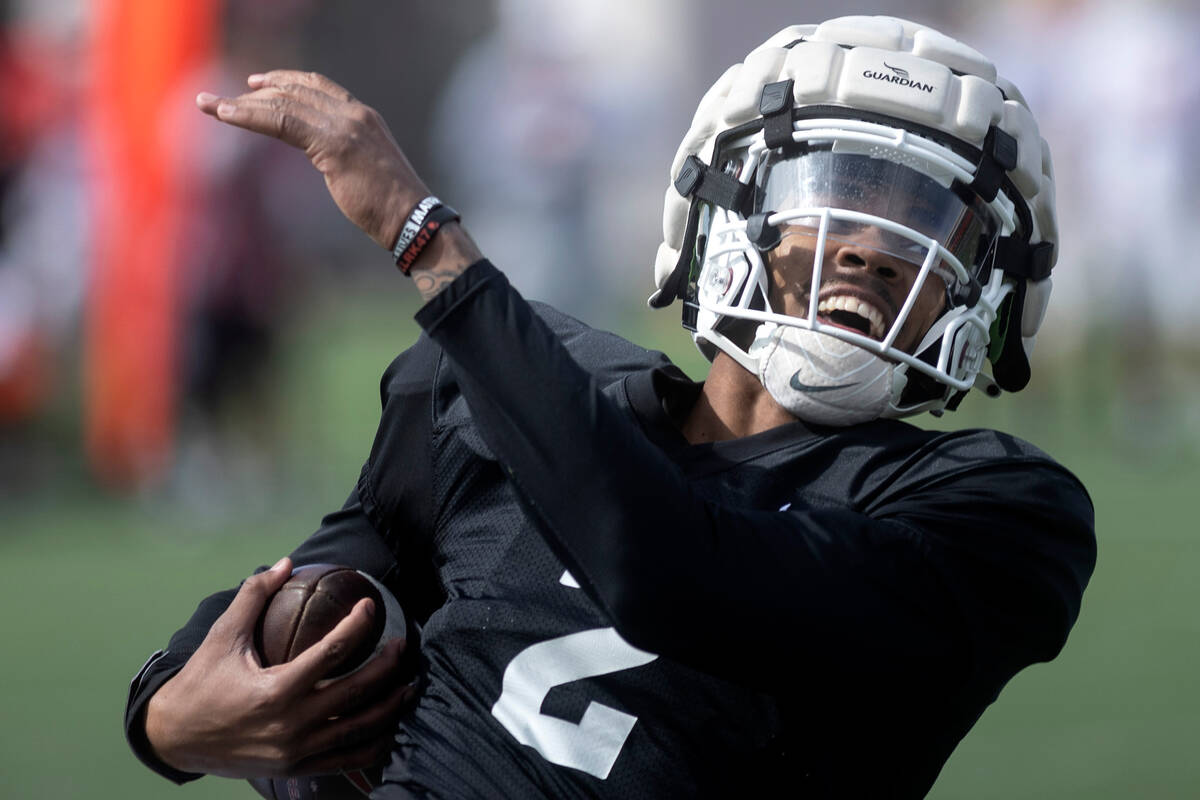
(43, 226)
(241, 275)
(230, 297)
(1129, 300)
(179, 298)
(568, 151)
(634, 585)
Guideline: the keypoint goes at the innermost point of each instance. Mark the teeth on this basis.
(868, 312)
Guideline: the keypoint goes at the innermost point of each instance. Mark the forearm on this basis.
(162, 666)
(160, 725)
(447, 256)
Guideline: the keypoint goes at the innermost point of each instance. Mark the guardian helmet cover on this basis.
(886, 140)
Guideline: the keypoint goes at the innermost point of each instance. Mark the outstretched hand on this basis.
(365, 171)
(224, 714)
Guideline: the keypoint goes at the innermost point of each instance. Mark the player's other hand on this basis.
(224, 714)
(365, 171)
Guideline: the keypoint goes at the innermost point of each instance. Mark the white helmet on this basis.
(832, 129)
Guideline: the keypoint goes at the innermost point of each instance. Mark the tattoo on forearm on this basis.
(431, 282)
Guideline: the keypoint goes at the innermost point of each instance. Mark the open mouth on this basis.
(852, 313)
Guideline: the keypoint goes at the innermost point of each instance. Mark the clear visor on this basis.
(821, 178)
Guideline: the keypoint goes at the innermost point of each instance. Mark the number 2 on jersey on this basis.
(592, 744)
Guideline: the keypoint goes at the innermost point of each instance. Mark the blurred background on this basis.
(191, 336)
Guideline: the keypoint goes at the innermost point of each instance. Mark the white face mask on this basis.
(821, 379)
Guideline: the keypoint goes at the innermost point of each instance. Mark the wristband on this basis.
(419, 229)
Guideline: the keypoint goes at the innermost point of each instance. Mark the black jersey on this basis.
(610, 611)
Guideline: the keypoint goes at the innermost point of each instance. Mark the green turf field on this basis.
(90, 584)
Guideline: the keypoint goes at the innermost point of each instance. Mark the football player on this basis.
(633, 585)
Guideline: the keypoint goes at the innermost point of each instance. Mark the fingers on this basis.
(360, 739)
(358, 716)
(208, 102)
(306, 87)
(313, 80)
(378, 677)
(298, 108)
(315, 662)
(296, 118)
(247, 606)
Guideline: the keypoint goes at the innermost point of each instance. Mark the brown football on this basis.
(314, 600)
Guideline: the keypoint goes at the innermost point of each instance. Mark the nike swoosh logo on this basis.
(804, 387)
